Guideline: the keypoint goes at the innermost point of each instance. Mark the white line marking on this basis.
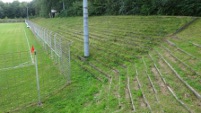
(26, 64)
(29, 46)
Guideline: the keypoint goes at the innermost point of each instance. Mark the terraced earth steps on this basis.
(117, 90)
(185, 89)
(130, 95)
(186, 25)
(149, 90)
(96, 33)
(190, 45)
(99, 66)
(183, 65)
(143, 95)
(122, 90)
(119, 98)
(184, 51)
(178, 76)
(183, 57)
(101, 71)
(114, 46)
(162, 87)
(150, 80)
(183, 69)
(174, 98)
(142, 91)
(155, 83)
(92, 71)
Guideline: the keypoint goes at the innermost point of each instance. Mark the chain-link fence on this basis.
(55, 45)
(28, 79)
(16, 80)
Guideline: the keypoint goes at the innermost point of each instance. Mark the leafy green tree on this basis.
(2, 15)
(102, 7)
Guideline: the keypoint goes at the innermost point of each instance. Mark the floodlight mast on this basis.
(86, 31)
(27, 13)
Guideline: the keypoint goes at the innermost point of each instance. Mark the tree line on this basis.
(102, 7)
(121, 7)
(16, 9)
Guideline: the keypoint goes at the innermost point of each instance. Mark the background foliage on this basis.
(102, 7)
(126, 7)
(16, 9)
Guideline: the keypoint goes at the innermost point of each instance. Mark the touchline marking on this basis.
(29, 47)
(26, 64)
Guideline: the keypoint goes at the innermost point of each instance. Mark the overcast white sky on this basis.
(16, 0)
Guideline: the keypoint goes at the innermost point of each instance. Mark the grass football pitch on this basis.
(17, 70)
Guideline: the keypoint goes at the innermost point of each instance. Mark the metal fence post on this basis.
(60, 54)
(55, 47)
(51, 38)
(37, 79)
(69, 63)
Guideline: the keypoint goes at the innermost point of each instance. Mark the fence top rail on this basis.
(52, 33)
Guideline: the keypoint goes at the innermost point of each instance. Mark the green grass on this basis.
(117, 39)
(18, 86)
(119, 43)
(12, 38)
(182, 41)
(116, 42)
(79, 95)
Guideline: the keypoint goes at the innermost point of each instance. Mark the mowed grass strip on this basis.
(17, 73)
(115, 39)
(115, 42)
(16, 70)
(12, 38)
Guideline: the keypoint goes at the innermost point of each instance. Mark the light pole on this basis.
(27, 13)
(86, 31)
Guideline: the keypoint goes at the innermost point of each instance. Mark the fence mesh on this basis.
(18, 85)
(17, 78)
(55, 45)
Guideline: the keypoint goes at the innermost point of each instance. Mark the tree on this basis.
(102, 7)
(2, 15)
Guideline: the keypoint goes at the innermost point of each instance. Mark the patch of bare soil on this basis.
(170, 57)
(174, 60)
(135, 85)
(142, 103)
(176, 37)
(116, 89)
(164, 66)
(163, 89)
(127, 94)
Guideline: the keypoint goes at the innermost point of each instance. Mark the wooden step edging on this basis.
(170, 90)
(188, 109)
(173, 44)
(140, 87)
(130, 95)
(154, 89)
(180, 60)
(178, 76)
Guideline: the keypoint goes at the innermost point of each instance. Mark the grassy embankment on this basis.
(137, 65)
